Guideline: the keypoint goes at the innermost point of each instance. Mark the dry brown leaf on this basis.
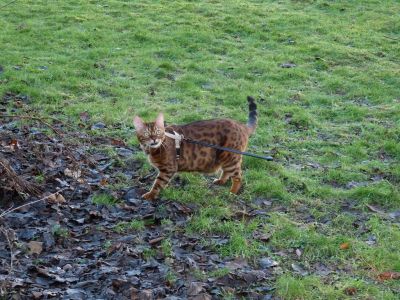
(37, 295)
(203, 296)
(195, 288)
(388, 275)
(156, 240)
(345, 246)
(56, 198)
(145, 295)
(73, 173)
(14, 145)
(264, 237)
(116, 142)
(84, 116)
(35, 247)
(350, 291)
(375, 209)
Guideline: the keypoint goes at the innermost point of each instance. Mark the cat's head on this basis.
(150, 135)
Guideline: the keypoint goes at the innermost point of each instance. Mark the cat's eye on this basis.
(146, 134)
(158, 131)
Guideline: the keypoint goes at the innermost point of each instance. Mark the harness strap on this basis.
(178, 139)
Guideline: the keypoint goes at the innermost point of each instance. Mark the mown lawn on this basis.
(331, 120)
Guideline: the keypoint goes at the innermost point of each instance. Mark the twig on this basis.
(391, 38)
(33, 202)
(7, 4)
(40, 119)
(20, 184)
(32, 118)
(5, 233)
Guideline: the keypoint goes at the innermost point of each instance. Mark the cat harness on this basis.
(178, 139)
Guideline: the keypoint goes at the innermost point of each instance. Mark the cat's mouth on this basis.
(155, 144)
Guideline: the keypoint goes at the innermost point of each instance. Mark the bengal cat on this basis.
(161, 149)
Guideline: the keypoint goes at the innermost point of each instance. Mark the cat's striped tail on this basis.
(252, 122)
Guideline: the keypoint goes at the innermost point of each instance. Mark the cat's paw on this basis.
(149, 196)
(219, 182)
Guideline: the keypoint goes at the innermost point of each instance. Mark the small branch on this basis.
(20, 184)
(40, 119)
(5, 233)
(391, 38)
(32, 118)
(33, 202)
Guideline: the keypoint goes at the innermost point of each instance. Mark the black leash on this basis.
(269, 158)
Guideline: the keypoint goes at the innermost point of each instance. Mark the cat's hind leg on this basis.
(236, 180)
(227, 162)
(222, 179)
(232, 170)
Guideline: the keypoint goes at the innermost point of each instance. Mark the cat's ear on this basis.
(138, 123)
(160, 121)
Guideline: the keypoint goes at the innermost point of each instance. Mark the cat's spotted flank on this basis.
(195, 158)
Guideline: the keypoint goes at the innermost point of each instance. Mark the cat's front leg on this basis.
(164, 176)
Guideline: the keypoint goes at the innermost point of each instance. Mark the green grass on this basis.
(134, 225)
(59, 231)
(103, 199)
(332, 122)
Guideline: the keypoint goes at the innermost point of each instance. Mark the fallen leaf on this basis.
(252, 276)
(288, 65)
(35, 247)
(264, 237)
(98, 125)
(345, 246)
(84, 116)
(375, 209)
(119, 143)
(266, 263)
(14, 145)
(388, 275)
(395, 214)
(134, 293)
(238, 263)
(145, 295)
(195, 288)
(156, 240)
(73, 173)
(350, 291)
(37, 295)
(299, 269)
(298, 252)
(203, 296)
(56, 198)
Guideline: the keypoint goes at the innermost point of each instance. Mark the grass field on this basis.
(331, 120)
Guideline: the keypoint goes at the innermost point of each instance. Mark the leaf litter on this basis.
(83, 241)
